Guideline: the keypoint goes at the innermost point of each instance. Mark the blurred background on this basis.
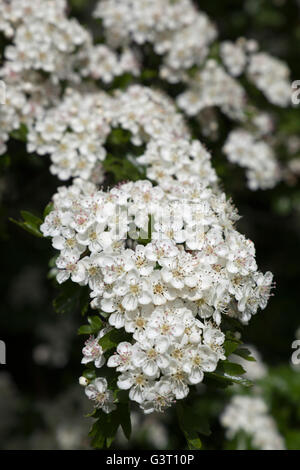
(41, 405)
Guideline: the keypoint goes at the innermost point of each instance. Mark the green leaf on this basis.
(94, 326)
(230, 346)
(245, 354)
(191, 424)
(31, 223)
(232, 368)
(125, 419)
(95, 322)
(104, 430)
(89, 374)
(228, 373)
(97, 435)
(112, 423)
(71, 298)
(122, 169)
(119, 136)
(113, 338)
(20, 133)
(48, 209)
(85, 330)
(193, 440)
(31, 218)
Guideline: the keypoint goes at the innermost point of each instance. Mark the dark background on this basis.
(270, 219)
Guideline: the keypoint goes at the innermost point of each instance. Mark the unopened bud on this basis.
(83, 381)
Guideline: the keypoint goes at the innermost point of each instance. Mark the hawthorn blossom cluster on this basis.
(254, 154)
(46, 48)
(42, 44)
(175, 29)
(185, 38)
(213, 87)
(42, 37)
(271, 76)
(45, 39)
(250, 415)
(75, 131)
(164, 264)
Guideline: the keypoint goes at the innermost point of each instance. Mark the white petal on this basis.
(130, 302)
(136, 394)
(150, 368)
(100, 384)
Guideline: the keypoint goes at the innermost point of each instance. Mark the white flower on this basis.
(178, 380)
(164, 324)
(199, 360)
(159, 290)
(54, 223)
(143, 265)
(134, 289)
(150, 356)
(68, 246)
(68, 267)
(136, 320)
(180, 271)
(122, 359)
(98, 392)
(92, 352)
(93, 276)
(159, 397)
(90, 238)
(137, 382)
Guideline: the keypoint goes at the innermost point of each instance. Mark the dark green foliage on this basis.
(104, 429)
(72, 298)
(30, 223)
